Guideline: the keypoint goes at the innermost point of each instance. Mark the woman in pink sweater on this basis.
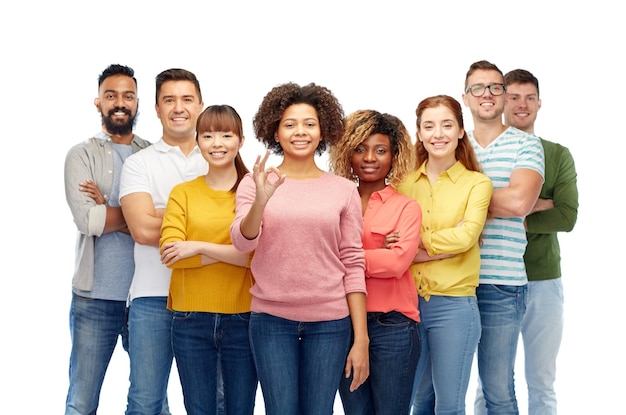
(304, 225)
(376, 152)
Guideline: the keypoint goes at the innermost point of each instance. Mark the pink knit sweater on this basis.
(309, 253)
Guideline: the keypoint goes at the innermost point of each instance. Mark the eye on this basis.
(109, 96)
(359, 150)
(381, 151)
(129, 97)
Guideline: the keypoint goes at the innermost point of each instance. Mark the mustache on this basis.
(119, 109)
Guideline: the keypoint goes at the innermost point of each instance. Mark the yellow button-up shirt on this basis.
(454, 212)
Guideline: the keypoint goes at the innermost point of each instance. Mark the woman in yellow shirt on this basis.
(210, 286)
(454, 196)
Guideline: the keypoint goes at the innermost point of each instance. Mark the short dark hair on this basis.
(176, 74)
(116, 69)
(481, 65)
(521, 76)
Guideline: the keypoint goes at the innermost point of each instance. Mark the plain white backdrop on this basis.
(380, 55)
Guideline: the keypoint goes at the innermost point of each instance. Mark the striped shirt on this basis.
(504, 239)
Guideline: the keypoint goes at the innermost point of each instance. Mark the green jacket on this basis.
(543, 254)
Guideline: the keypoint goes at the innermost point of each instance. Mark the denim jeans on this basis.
(502, 309)
(450, 330)
(299, 363)
(151, 355)
(199, 340)
(394, 351)
(95, 326)
(542, 330)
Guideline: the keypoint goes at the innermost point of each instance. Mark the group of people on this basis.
(378, 278)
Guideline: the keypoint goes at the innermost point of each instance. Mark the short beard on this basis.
(119, 129)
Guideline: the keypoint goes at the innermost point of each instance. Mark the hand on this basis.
(264, 186)
(391, 239)
(175, 251)
(90, 189)
(358, 364)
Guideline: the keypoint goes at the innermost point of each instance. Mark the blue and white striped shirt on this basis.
(504, 239)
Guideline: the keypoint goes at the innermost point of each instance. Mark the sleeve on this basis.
(459, 239)
(246, 193)
(88, 216)
(563, 216)
(174, 226)
(134, 178)
(393, 262)
(351, 252)
(530, 155)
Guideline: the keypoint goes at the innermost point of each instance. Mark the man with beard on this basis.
(104, 250)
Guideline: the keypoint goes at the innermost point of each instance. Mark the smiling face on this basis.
(371, 160)
(219, 148)
(299, 131)
(439, 132)
(178, 107)
(117, 103)
(521, 106)
(487, 107)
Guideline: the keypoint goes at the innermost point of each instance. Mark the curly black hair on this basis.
(329, 112)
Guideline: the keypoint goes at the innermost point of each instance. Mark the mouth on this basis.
(119, 112)
(217, 154)
(368, 169)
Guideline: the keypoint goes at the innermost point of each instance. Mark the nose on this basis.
(119, 101)
(217, 141)
(178, 105)
(370, 155)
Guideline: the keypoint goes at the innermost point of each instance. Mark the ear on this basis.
(156, 108)
(462, 133)
(241, 140)
(96, 102)
(419, 138)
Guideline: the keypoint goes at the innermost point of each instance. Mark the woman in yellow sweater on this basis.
(210, 286)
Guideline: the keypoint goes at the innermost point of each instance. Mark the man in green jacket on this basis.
(556, 211)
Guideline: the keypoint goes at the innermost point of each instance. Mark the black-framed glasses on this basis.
(478, 90)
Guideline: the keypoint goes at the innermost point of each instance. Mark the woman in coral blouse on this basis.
(376, 152)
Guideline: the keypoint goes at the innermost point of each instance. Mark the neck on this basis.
(186, 144)
(221, 178)
(485, 132)
(436, 166)
(300, 169)
(120, 138)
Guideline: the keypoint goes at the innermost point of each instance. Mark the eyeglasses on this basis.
(478, 90)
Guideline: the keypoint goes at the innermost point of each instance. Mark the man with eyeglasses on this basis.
(514, 161)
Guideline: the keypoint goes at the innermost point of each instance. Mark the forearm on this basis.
(507, 202)
(251, 224)
(114, 220)
(212, 252)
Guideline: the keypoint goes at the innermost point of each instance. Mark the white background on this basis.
(381, 55)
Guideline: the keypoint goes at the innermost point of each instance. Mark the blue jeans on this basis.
(199, 341)
(542, 330)
(502, 309)
(299, 363)
(394, 351)
(450, 330)
(151, 356)
(95, 326)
